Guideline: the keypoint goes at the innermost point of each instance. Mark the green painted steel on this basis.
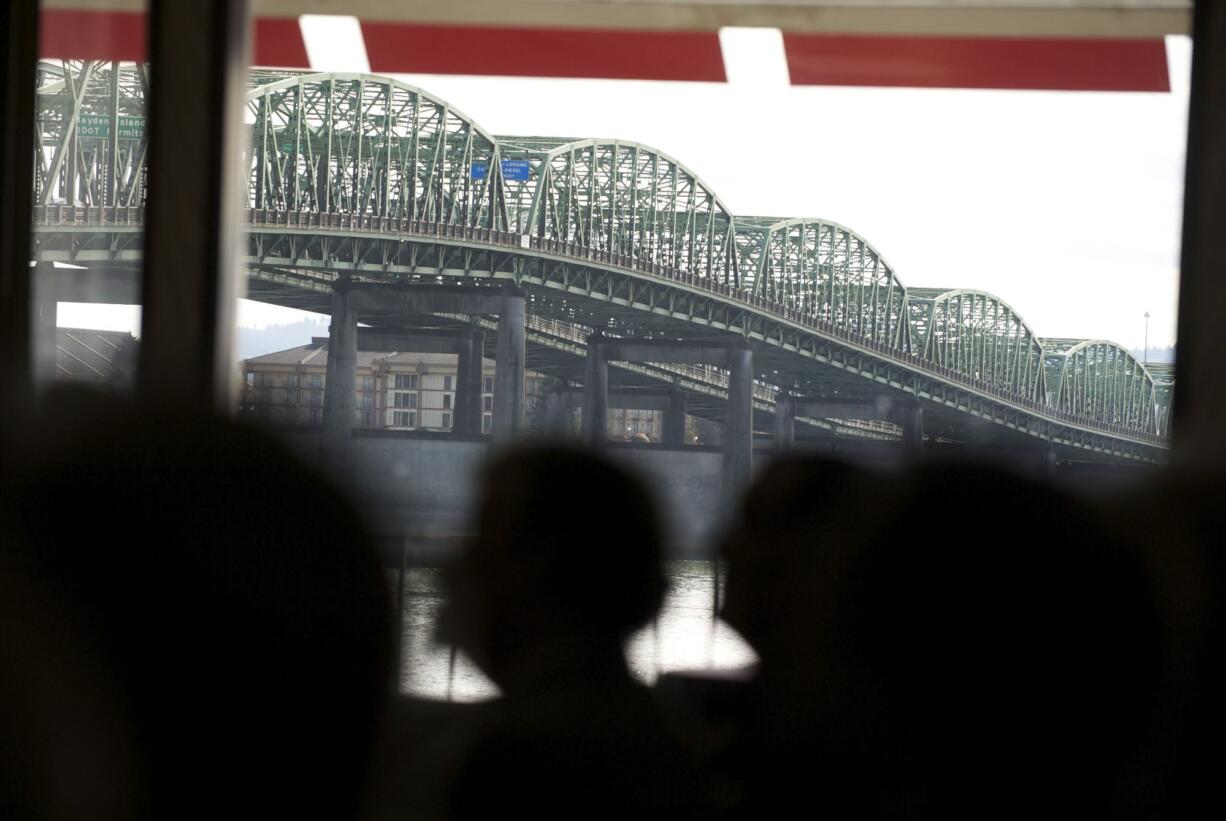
(621, 198)
(89, 149)
(356, 144)
(374, 178)
(977, 334)
(820, 269)
(1163, 374)
(1099, 379)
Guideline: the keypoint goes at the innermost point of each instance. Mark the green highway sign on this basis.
(99, 125)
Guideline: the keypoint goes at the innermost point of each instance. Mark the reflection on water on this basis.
(685, 637)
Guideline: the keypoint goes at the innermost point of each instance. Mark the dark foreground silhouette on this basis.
(951, 643)
(192, 625)
(564, 566)
(236, 618)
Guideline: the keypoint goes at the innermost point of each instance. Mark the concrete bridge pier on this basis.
(911, 419)
(595, 393)
(738, 428)
(470, 346)
(509, 369)
(44, 304)
(674, 419)
(738, 432)
(557, 412)
(340, 382)
(785, 423)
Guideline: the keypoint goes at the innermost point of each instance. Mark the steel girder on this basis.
(367, 175)
(1098, 379)
(977, 334)
(1164, 390)
(623, 198)
(820, 269)
(587, 289)
(90, 140)
(357, 144)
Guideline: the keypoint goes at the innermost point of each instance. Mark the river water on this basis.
(685, 637)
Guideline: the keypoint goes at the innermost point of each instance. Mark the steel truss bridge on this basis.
(368, 178)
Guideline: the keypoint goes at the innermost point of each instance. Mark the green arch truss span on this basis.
(977, 334)
(90, 140)
(367, 146)
(821, 270)
(1100, 380)
(618, 197)
(365, 173)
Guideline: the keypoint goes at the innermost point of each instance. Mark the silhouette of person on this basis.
(777, 553)
(564, 566)
(233, 594)
(963, 643)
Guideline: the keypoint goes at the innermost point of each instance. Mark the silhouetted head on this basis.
(990, 651)
(778, 551)
(565, 564)
(234, 594)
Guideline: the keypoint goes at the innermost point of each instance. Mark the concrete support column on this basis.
(340, 384)
(674, 419)
(557, 413)
(509, 370)
(595, 394)
(43, 313)
(912, 421)
(785, 423)
(1047, 465)
(467, 420)
(738, 432)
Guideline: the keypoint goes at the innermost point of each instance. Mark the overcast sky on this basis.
(1065, 204)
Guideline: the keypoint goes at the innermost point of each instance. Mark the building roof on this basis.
(315, 355)
(94, 356)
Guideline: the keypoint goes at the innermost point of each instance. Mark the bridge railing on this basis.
(89, 215)
(78, 215)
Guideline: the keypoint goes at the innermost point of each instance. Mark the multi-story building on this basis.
(632, 423)
(398, 391)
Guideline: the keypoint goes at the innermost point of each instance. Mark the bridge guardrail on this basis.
(82, 215)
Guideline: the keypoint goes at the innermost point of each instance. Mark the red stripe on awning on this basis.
(978, 62)
(278, 43)
(544, 52)
(120, 35)
(66, 34)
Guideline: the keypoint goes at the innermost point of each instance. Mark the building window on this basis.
(487, 404)
(317, 380)
(488, 387)
(317, 398)
(291, 380)
(446, 401)
(446, 421)
(406, 381)
(368, 383)
(400, 419)
(487, 422)
(404, 400)
(447, 382)
(367, 400)
(250, 378)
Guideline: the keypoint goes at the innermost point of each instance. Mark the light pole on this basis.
(1145, 361)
